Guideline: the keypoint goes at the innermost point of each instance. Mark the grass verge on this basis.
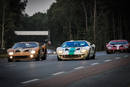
(3, 55)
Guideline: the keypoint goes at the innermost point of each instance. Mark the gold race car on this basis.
(27, 51)
(79, 49)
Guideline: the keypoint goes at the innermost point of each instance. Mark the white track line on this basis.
(80, 67)
(29, 81)
(107, 60)
(117, 58)
(58, 73)
(94, 64)
(11, 65)
(126, 56)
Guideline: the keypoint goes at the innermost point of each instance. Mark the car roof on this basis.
(117, 40)
(29, 42)
(76, 41)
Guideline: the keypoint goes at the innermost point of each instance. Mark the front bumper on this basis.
(71, 57)
(22, 56)
(117, 50)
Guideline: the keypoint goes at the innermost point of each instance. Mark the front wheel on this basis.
(59, 59)
(128, 50)
(10, 60)
(108, 52)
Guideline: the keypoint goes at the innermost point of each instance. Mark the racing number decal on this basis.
(71, 51)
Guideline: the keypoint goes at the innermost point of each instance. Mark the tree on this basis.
(97, 21)
(10, 12)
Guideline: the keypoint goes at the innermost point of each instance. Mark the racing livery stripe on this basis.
(71, 51)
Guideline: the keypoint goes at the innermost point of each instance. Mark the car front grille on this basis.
(21, 56)
(71, 56)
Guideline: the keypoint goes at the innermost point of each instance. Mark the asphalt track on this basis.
(70, 79)
(107, 70)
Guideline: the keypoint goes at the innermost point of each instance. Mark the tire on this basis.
(108, 52)
(10, 60)
(128, 50)
(59, 59)
(44, 57)
(93, 57)
(38, 57)
(87, 58)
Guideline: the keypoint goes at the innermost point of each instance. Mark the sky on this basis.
(34, 6)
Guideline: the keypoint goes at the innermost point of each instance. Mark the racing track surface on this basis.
(105, 71)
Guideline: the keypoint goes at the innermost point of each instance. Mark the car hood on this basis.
(72, 48)
(21, 49)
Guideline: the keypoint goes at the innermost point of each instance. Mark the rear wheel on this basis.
(93, 57)
(87, 58)
(38, 57)
(44, 57)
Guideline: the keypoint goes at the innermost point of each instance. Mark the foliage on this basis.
(36, 22)
(67, 20)
(10, 13)
(74, 19)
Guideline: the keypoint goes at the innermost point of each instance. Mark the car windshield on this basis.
(119, 42)
(25, 45)
(75, 44)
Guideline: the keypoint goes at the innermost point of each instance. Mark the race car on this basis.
(117, 46)
(27, 51)
(79, 49)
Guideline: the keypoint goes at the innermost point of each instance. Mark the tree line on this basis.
(97, 21)
(10, 15)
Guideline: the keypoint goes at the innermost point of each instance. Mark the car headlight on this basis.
(33, 51)
(60, 51)
(83, 50)
(11, 53)
(109, 47)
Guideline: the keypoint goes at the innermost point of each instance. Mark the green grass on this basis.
(3, 55)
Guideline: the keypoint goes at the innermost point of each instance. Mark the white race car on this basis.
(79, 49)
